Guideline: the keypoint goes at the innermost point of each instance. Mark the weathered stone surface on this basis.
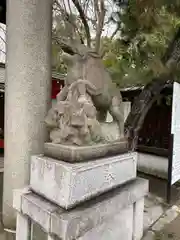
(28, 89)
(120, 226)
(38, 210)
(38, 233)
(94, 213)
(83, 153)
(154, 208)
(67, 184)
(88, 220)
(17, 197)
(22, 227)
(138, 219)
(82, 105)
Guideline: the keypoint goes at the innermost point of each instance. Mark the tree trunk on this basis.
(151, 91)
(141, 106)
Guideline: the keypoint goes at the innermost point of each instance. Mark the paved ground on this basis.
(172, 230)
(165, 217)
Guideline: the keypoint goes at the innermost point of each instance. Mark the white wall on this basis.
(153, 165)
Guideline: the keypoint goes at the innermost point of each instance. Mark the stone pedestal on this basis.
(68, 184)
(117, 214)
(106, 196)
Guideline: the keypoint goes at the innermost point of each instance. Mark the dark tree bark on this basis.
(151, 91)
(84, 21)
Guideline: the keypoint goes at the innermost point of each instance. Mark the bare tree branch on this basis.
(96, 11)
(84, 21)
(114, 33)
(100, 24)
(3, 51)
(2, 29)
(68, 18)
(1, 38)
(64, 45)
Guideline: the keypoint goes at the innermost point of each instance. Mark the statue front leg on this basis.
(101, 115)
(117, 112)
(62, 95)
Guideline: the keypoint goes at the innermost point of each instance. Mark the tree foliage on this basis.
(133, 50)
(169, 59)
(145, 29)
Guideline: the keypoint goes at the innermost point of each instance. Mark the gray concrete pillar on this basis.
(28, 86)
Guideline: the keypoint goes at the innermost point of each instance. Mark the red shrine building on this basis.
(57, 84)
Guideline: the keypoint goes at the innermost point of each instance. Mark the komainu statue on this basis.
(79, 117)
